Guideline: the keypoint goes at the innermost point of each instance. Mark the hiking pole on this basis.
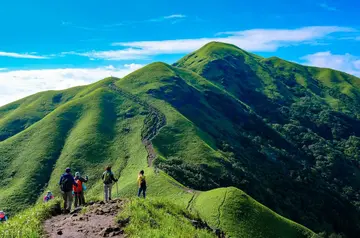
(117, 190)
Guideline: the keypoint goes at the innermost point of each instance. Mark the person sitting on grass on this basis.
(142, 184)
(49, 196)
(3, 216)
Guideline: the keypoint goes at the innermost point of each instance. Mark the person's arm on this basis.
(61, 179)
(139, 181)
(113, 178)
(73, 181)
(102, 176)
(84, 180)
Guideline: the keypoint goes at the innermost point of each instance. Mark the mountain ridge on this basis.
(236, 121)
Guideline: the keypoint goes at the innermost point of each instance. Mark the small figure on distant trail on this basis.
(79, 189)
(108, 179)
(49, 196)
(3, 216)
(66, 185)
(142, 183)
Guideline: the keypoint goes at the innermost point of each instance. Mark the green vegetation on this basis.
(158, 218)
(232, 210)
(29, 223)
(286, 134)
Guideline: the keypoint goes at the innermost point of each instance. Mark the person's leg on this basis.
(70, 200)
(76, 204)
(106, 192)
(82, 198)
(139, 192)
(144, 191)
(110, 189)
(65, 199)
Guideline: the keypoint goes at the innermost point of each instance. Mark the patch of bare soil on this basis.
(97, 221)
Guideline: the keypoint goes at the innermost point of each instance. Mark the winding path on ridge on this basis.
(155, 119)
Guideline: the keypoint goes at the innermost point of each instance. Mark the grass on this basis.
(232, 210)
(160, 218)
(221, 100)
(28, 224)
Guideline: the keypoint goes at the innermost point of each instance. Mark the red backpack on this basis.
(79, 187)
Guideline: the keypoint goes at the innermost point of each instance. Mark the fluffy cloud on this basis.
(20, 83)
(253, 40)
(24, 56)
(346, 63)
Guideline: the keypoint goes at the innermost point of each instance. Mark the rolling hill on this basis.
(220, 120)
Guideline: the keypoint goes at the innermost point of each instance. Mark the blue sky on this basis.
(58, 44)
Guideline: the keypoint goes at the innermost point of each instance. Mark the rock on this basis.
(55, 209)
(76, 210)
(124, 222)
(74, 215)
(106, 232)
(59, 232)
(102, 203)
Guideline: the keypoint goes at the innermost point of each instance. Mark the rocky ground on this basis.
(94, 220)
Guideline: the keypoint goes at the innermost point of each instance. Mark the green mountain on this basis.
(286, 134)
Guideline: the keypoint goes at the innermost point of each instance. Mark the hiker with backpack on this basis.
(3, 216)
(108, 179)
(79, 189)
(66, 185)
(49, 196)
(142, 183)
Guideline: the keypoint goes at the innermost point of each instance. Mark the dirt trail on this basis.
(98, 221)
(153, 122)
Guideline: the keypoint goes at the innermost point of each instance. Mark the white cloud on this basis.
(24, 56)
(327, 7)
(3, 69)
(175, 16)
(21, 83)
(258, 40)
(347, 63)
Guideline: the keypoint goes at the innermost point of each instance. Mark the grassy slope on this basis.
(99, 127)
(232, 210)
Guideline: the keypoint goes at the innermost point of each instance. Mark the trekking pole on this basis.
(117, 190)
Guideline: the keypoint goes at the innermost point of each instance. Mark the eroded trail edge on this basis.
(153, 122)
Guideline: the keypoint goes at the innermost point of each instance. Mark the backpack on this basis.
(107, 177)
(79, 187)
(66, 184)
(142, 182)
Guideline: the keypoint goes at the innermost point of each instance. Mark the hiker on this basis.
(3, 216)
(79, 190)
(66, 185)
(108, 179)
(49, 196)
(142, 183)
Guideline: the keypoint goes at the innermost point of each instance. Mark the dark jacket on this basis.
(70, 182)
(111, 177)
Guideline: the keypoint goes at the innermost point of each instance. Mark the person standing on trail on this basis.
(142, 183)
(49, 196)
(79, 189)
(66, 185)
(108, 179)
